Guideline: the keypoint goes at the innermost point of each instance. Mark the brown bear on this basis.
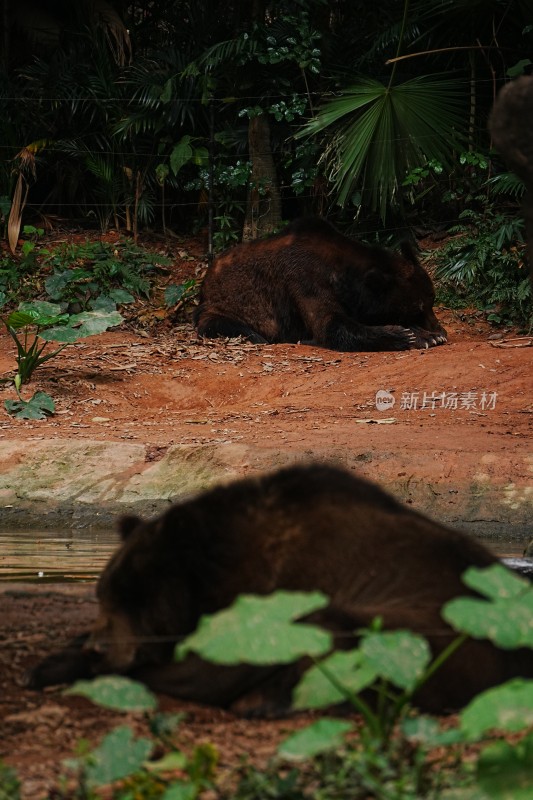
(511, 123)
(311, 284)
(309, 527)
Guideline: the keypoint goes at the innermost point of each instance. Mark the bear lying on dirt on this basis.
(310, 283)
(303, 528)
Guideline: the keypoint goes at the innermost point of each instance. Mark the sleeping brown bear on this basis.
(311, 284)
(303, 528)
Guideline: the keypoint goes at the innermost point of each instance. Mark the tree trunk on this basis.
(263, 204)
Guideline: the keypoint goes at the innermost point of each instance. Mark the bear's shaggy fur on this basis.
(311, 284)
(302, 528)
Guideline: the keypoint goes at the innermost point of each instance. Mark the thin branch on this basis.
(439, 50)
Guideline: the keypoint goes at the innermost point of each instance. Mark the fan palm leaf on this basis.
(383, 132)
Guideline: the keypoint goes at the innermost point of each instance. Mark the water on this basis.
(54, 556)
(79, 555)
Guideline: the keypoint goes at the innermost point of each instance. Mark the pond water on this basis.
(79, 555)
(55, 556)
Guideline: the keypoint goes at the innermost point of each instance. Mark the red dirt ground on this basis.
(155, 382)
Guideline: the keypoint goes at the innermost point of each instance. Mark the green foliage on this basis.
(504, 616)
(9, 783)
(486, 261)
(238, 624)
(32, 327)
(424, 114)
(122, 757)
(384, 756)
(39, 406)
(321, 736)
(505, 771)
(180, 294)
(115, 692)
(83, 273)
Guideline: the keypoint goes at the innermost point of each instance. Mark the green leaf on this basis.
(181, 790)
(174, 293)
(495, 581)
(508, 708)
(3, 299)
(427, 731)
(326, 734)
(40, 406)
(116, 692)
(42, 307)
(181, 154)
(20, 319)
(350, 670)
(260, 630)
(519, 68)
(400, 657)
(505, 618)
(64, 334)
(120, 296)
(88, 323)
(505, 771)
(118, 756)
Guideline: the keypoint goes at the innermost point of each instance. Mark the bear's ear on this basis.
(126, 526)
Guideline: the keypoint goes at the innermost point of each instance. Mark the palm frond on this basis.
(383, 132)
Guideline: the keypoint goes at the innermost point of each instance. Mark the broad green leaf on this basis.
(19, 319)
(181, 154)
(507, 708)
(505, 619)
(119, 296)
(350, 669)
(398, 656)
(495, 582)
(200, 156)
(42, 307)
(427, 731)
(116, 692)
(40, 406)
(260, 630)
(93, 322)
(64, 334)
(326, 734)
(88, 323)
(118, 756)
(505, 771)
(103, 303)
(181, 790)
(3, 299)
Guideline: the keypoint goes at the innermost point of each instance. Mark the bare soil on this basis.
(154, 382)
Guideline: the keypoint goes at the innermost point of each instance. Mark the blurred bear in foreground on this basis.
(302, 528)
(311, 284)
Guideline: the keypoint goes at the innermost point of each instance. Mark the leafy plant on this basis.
(180, 294)
(83, 273)
(9, 783)
(392, 666)
(122, 757)
(32, 327)
(486, 261)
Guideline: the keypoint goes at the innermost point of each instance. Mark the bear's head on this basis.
(397, 290)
